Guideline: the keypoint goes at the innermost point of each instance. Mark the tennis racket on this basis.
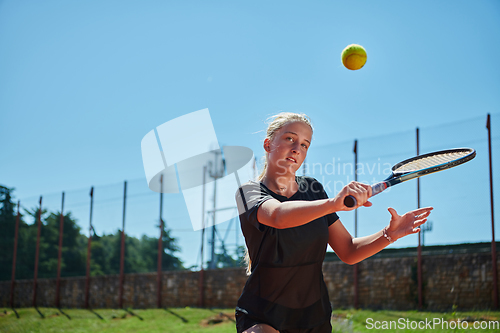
(419, 166)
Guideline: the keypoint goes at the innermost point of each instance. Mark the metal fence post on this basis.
(37, 252)
(14, 257)
(122, 247)
(356, 267)
(419, 250)
(89, 245)
(160, 249)
(493, 244)
(59, 255)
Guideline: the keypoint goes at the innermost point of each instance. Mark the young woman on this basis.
(287, 221)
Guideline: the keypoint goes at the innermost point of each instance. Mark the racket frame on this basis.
(399, 177)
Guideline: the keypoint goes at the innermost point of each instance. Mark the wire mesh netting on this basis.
(460, 197)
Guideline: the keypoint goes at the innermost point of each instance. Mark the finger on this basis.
(361, 195)
(359, 192)
(393, 212)
(367, 204)
(418, 223)
(422, 210)
(352, 188)
(364, 188)
(423, 215)
(413, 229)
(368, 189)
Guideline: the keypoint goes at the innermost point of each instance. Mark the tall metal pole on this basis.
(122, 247)
(493, 243)
(419, 253)
(215, 173)
(160, 249)
(59, 255)
(254, 167)
(14, 257)
(355, 151)
(89, 244)
(202, 272)
(37, 252)
(356, 283)
(212, 260)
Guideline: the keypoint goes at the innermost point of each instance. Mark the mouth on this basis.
(291, 159)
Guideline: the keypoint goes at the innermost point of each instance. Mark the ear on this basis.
(267, 145)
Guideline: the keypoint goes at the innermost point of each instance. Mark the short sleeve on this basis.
(249, 197)
(333, 217)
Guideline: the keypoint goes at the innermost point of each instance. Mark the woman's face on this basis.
(288, 148)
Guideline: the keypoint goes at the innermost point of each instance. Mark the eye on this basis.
(305, 146)
(289, 138)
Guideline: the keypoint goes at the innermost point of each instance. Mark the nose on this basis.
(296, 148)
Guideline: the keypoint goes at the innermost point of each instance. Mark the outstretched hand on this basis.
(407, 224)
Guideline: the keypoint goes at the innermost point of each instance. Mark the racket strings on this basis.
(431, 161)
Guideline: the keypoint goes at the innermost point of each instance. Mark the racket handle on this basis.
(350, 201)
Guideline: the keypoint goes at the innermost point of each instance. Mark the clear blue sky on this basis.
(81, 82)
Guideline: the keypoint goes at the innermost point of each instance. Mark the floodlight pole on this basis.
(493, 244)
(160, 249)
(254, 167)
(419, 253)
(201, 281)
(216, 173)
(356, 280)
(424, 229)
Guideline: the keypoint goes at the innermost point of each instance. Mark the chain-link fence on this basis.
(460, 196)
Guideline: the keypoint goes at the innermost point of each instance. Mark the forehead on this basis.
(299, 128)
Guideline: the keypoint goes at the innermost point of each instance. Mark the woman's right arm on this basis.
(289, 214)
(282, 215)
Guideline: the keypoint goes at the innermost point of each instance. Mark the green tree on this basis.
(73, 256)
(47, 258)
(149, 252)
(26, 247)
(100, 249)
(140, 254)
(224, 260)
(7, 232)
(133, 262)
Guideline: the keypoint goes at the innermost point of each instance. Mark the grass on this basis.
(407, 321)
(194, 320)
(185, 320)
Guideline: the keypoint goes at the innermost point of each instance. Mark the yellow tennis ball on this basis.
(354, 57)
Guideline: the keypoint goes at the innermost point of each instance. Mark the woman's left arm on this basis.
(353, 250)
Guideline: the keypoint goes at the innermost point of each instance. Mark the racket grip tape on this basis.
(350, 201)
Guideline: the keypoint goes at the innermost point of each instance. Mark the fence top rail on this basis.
(434, 250)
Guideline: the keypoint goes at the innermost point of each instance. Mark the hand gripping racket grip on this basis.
(350, 201)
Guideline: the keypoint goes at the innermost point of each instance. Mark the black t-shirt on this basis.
(286, 288)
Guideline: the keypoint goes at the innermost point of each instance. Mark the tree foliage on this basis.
(7, 227)
(141, 254)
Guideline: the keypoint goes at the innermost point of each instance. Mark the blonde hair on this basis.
(276, 122)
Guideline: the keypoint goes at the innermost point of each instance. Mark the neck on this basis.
(283, 184)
